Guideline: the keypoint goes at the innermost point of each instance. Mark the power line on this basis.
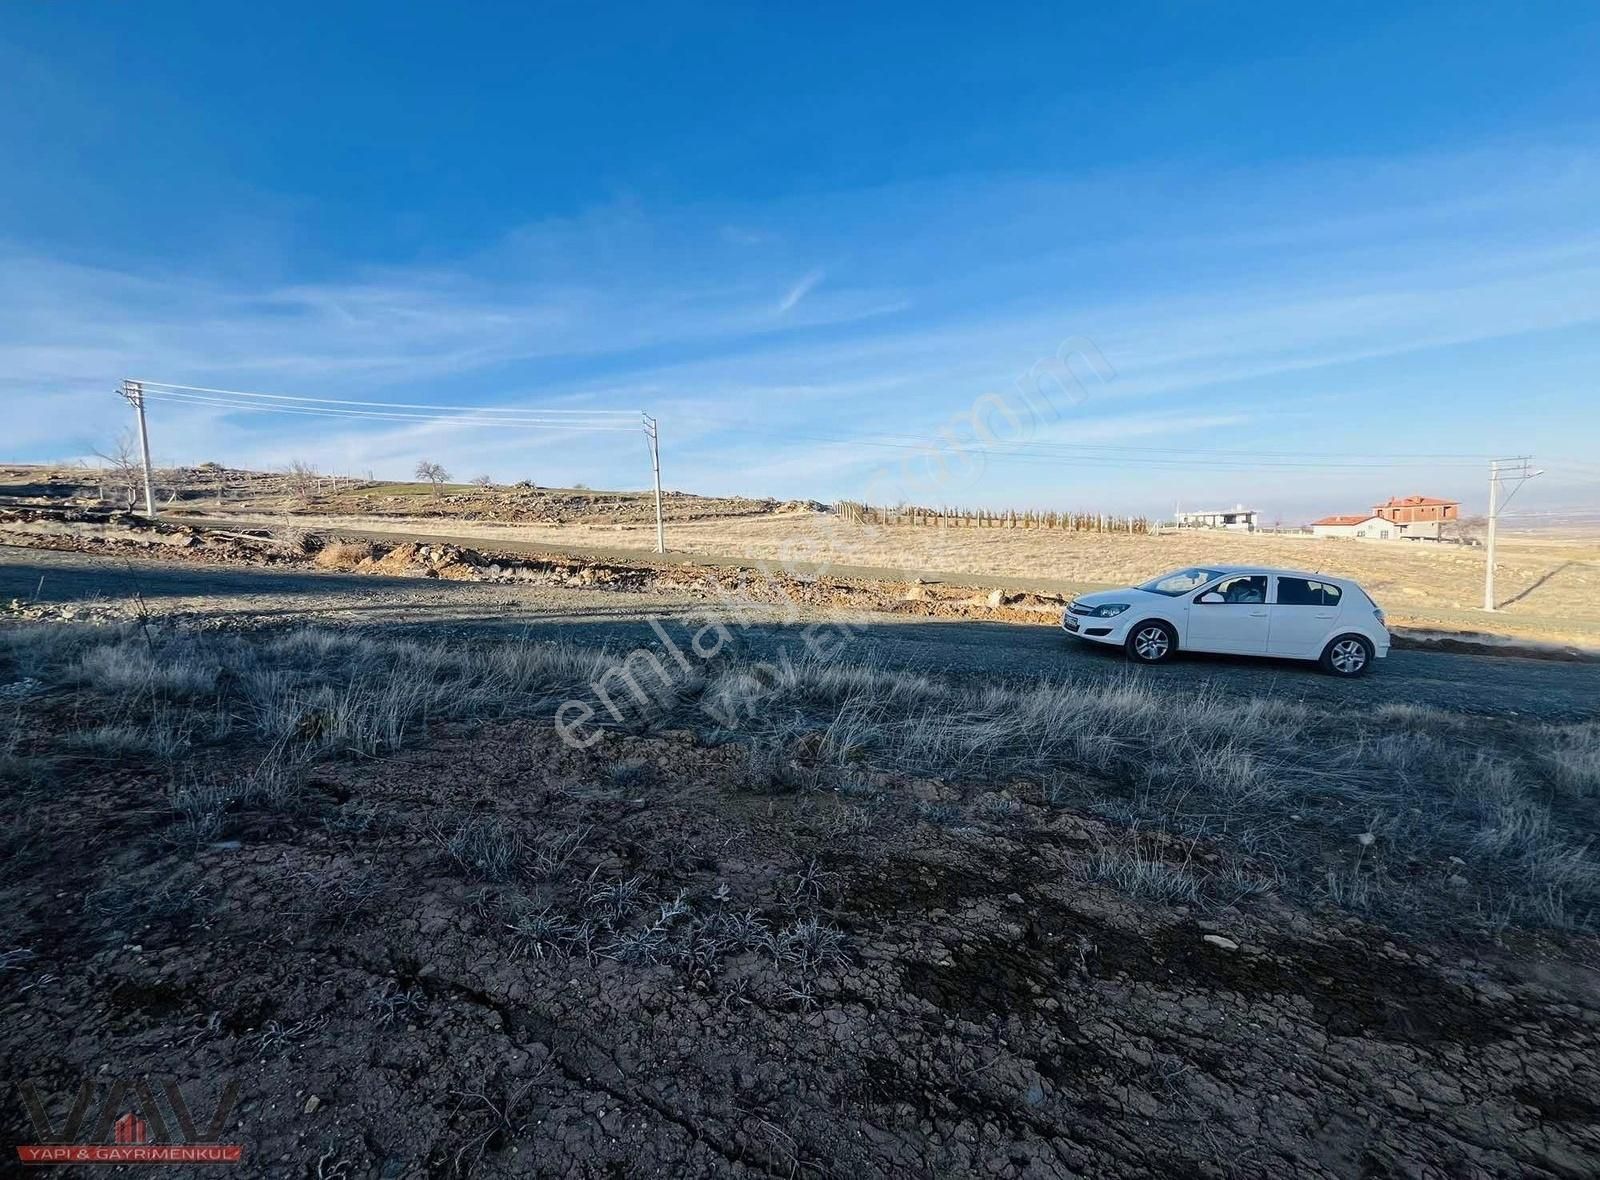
(1575, 514)
(1065, 447)
(1175, 459)
(1036, 451)
(138, 393)
(585, 421)
(1113, 455)
(532, 422)
(608, 418)
(331, 401)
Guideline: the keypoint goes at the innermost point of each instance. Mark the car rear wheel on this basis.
(1151, 642)
(1348, 656)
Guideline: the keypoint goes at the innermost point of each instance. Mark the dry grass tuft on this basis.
(342, 555)
(1139, 872)
(1423, 816)
(1574, 758)
(1442, 800)
(177, 669)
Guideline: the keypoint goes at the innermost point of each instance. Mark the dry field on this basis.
(228, 490)
(1548, 587)
(849, 918)
(891, 924)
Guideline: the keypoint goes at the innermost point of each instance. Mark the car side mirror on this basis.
(1211, 596)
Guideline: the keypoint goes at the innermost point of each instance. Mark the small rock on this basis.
(1014, 898)
(997, 598)
(1217, 940)
(312, 1103)
(1456, 881)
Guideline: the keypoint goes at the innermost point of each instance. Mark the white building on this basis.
(1240, 519)
(1363, 527)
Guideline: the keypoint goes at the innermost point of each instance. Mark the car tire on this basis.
(1347, 656)
(1151, 642)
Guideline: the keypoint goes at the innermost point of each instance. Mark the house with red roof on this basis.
(1363, 526)
(1411, 518)
(1418, 510)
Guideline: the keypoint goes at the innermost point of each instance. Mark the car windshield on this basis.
(1181, 582)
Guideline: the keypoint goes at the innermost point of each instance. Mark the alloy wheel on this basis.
(1151, 643)
(1349, 656)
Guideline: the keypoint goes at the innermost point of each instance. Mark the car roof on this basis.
(1267, 569)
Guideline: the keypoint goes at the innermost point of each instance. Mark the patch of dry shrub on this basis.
(342, 555)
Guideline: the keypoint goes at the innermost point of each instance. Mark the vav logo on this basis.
(131, 1126)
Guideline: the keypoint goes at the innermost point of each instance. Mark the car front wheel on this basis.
(1151, 643)
(1348, 656)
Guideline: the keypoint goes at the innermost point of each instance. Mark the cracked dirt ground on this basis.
(848, 985)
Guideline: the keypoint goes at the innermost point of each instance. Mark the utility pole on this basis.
(654, 436)
(1519, 469)
(134, 393)
(1494, 511)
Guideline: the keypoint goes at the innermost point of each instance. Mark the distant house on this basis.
(1240, 519)
(1362, 526)
(1405, 510)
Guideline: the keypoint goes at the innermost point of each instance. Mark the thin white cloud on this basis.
(739, 235)
(792, 297)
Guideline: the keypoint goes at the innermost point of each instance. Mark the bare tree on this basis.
(125, 473)
(1469, 530)
(433, 473)
(218, 474)
(483, 481)
(302, 478)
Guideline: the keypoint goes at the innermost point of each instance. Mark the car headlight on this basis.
(1110, 611)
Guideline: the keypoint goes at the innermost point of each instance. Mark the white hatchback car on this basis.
(1237, 610)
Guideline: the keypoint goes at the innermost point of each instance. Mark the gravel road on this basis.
(1490, 685)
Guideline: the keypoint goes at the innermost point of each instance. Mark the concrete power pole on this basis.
(1521, 470)
(1494, 511)
(134, 392)
(654, 436)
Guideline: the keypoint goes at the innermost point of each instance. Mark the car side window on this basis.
(1243, 590)
(1298, 592)
(1304, 592)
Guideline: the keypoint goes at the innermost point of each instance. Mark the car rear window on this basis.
(1306, 592)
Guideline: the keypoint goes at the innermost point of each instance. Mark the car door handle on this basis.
(1257, 613)
(1326, 614)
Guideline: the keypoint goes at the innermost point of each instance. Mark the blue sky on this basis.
(807, 240)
